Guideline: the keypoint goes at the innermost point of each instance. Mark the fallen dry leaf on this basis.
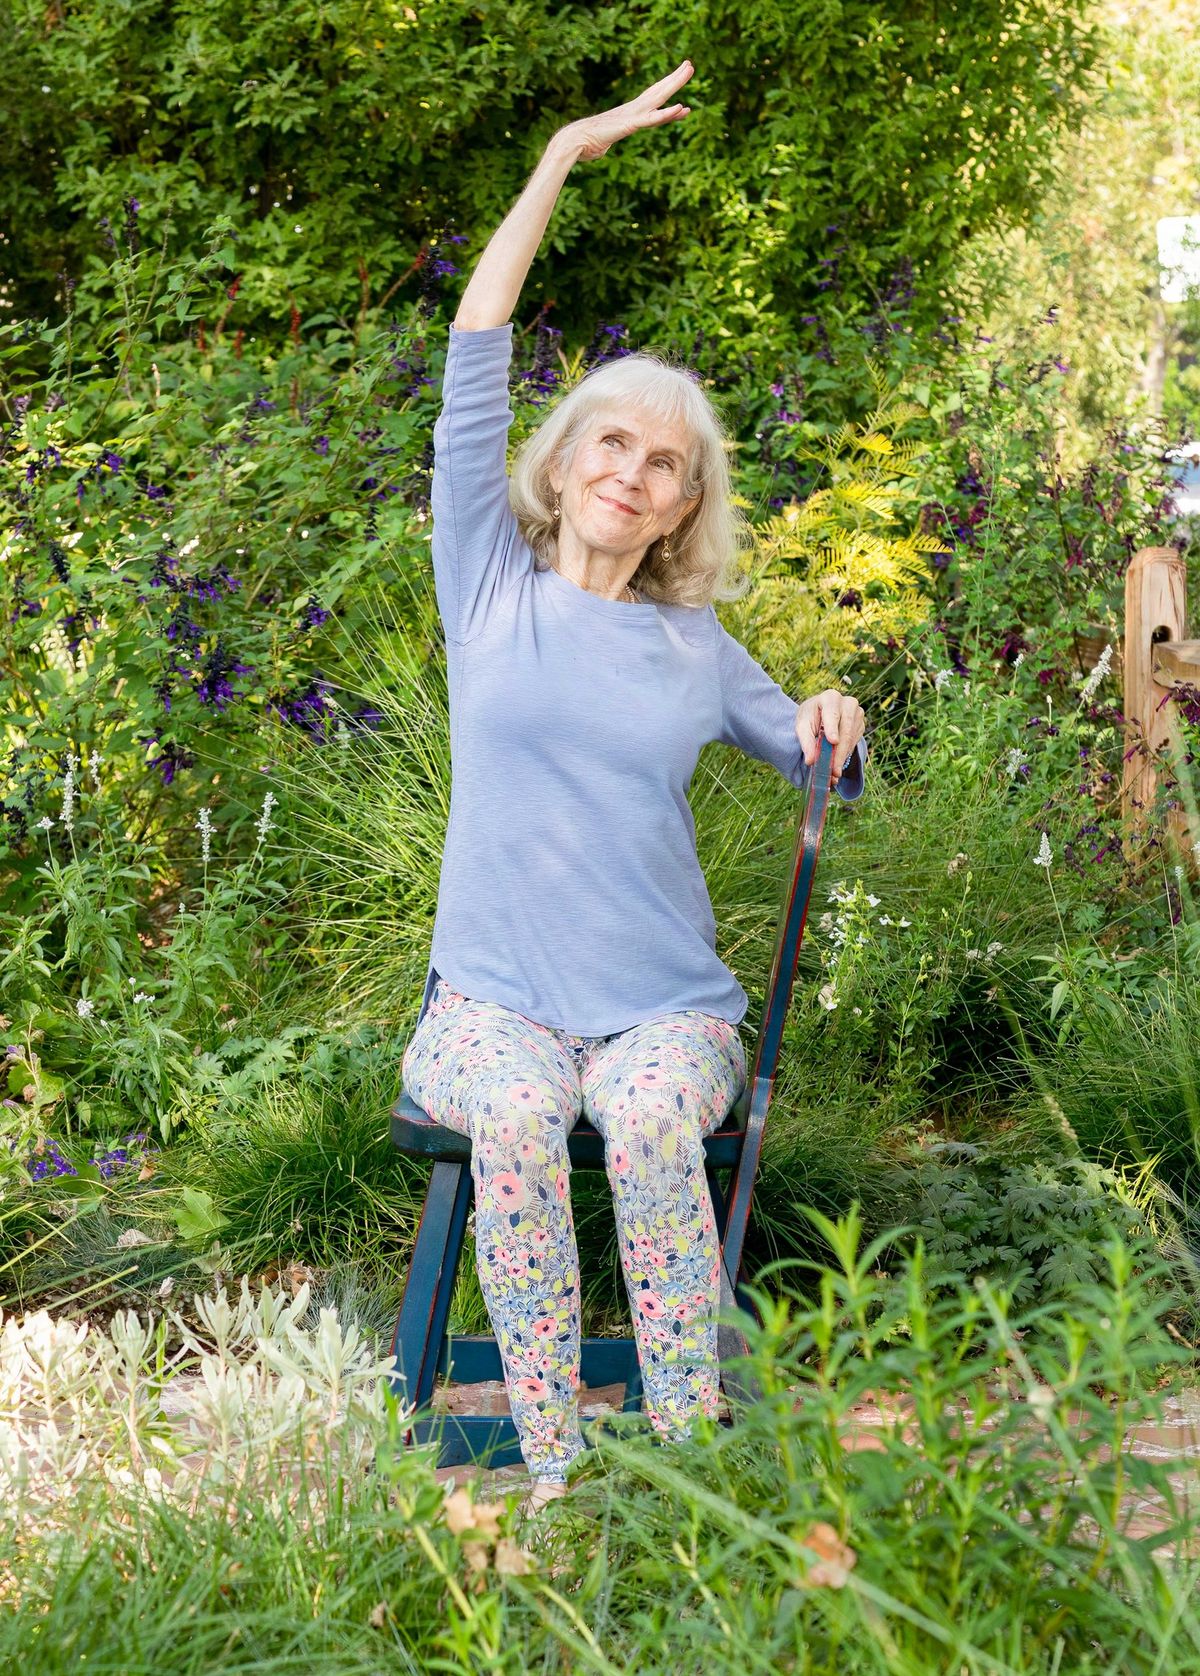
(481, 1518)
(146, 1171)
(512, 1560)
(297, 1275)
(835, 1560)
(132, 1237)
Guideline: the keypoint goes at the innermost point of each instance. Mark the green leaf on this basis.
(197, 1216)
(1061, 991)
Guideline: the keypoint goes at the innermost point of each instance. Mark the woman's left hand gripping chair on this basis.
(422, 1347)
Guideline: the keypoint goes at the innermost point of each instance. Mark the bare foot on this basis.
(543, 1491)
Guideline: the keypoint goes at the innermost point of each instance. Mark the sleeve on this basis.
(478, 550)
(759, 718)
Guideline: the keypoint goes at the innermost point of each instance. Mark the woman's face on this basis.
(624, 486)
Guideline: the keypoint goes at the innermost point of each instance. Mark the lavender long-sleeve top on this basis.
(570, 886)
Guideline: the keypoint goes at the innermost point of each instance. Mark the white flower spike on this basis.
(1099, 671)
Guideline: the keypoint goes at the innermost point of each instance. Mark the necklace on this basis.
(627, 595)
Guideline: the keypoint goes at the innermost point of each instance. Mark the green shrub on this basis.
(1038, 1228)
(340, 139)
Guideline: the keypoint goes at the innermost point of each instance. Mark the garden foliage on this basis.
(980, 1524)
(840, 140)
(227, 766)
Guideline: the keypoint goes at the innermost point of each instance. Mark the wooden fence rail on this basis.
(1157, 658)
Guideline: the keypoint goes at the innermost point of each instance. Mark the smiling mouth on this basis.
(620, 506)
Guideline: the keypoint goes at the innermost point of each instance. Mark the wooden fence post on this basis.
(1157, 656)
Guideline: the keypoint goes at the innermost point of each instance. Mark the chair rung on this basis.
(471, 1357)
(467, 1439)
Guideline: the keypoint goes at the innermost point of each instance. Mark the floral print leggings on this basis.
(516, 1088)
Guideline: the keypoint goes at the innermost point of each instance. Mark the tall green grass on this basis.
(981, 1532)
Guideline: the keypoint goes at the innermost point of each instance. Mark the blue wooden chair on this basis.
(422, 1348)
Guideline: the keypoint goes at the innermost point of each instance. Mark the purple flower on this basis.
(46, 1161)
(170, 759)
(133, 1150)
(214, 687)
(313, 614)
(210, 586)
(306, 709)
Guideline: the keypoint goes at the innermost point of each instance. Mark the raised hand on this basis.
(494, 287)
(592, 135)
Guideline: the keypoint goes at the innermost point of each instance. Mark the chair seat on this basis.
(414, 1132)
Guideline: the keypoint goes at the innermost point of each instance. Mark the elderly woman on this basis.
(573, 963)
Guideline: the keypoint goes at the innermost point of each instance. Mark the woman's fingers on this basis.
(595, 134)
(671, 114)
(646, 103)
(834, 716)
(668, 84)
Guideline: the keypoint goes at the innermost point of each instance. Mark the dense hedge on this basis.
(836, 143)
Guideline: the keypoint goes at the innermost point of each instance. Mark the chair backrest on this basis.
(793, 916)
(760, 1079)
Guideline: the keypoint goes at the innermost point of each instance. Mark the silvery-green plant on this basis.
(253, 1394)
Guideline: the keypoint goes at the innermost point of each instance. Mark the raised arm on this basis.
(494, 287)
(478, 551)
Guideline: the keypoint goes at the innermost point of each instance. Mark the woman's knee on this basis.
(519, 1118)
(652, 1137)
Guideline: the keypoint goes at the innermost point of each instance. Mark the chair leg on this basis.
(739, 1386)
(425, 1306)
(634, 1393)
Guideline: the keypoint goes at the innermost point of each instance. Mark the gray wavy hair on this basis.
(706, 544)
